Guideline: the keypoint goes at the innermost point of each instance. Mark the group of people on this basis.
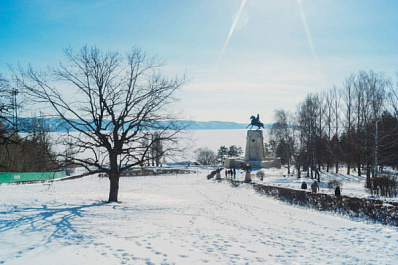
(230, 173)
(315, 188)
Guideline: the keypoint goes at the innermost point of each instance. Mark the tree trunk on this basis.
(113, 178)
(114, 188)
(368, 170)
(327, 163)
(376, 150)
(348, 168)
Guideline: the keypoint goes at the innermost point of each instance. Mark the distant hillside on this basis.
(217, 125)
(57, 125)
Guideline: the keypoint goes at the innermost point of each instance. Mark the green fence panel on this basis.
(9, 177)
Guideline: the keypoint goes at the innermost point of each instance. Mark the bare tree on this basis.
(329, 127)
(336, 118)
(307, 119)
(347, 94)
(205, 156)
(282, 137)
(377, 91)
(119, 101)
(156, 149)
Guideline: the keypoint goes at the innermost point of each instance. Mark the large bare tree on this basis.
(118, 102)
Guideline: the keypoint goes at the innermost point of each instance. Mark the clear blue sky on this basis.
(269, 62)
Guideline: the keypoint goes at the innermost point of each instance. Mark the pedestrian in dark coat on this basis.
(304, 185)
(337, 191)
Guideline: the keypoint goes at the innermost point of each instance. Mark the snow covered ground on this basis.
(182, 219)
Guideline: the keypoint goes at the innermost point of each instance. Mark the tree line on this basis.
(205, 156)
(24, 147)
(355, 124)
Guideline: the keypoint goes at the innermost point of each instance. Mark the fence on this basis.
(12, 177)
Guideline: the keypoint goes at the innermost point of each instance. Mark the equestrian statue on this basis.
(255, 122)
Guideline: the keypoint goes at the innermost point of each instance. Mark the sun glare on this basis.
(231, 31)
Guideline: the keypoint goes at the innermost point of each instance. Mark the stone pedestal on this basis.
(254, 154)
(254, 146)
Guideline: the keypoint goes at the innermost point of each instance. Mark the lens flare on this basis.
(231, 31)
(307, 32)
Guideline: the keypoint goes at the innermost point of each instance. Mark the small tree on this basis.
(222, 151)
(156, 149)
(119, 102)
(205, 156)
(235, 151)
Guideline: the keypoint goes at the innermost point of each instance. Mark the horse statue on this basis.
(255, 122)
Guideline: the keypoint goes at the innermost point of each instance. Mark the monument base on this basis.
(269, 162)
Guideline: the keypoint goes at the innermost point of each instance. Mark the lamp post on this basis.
(15, 107)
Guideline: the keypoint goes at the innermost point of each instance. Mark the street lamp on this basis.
(14, 93)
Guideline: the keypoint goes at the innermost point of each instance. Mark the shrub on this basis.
(334, 183)
(260, 174)
(205, 156)
(384, 185)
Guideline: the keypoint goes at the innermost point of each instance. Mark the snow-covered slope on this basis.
(177, 220)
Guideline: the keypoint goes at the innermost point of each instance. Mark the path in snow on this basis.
(183, 220)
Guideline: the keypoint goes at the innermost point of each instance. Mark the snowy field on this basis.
(177, 220)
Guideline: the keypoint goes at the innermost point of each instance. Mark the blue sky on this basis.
(267, 64)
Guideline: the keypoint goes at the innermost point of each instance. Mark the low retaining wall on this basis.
(366, 209)
(13, 177)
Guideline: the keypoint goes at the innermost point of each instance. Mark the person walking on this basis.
(315, 187)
